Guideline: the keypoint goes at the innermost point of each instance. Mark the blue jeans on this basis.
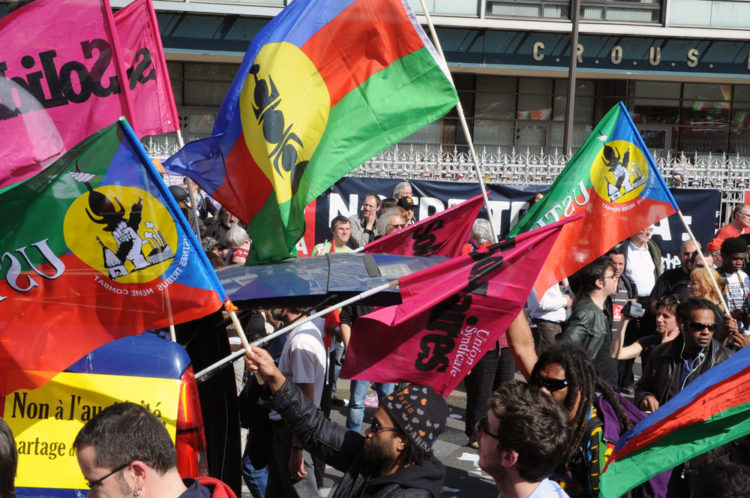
(358, 392)
(255, 479)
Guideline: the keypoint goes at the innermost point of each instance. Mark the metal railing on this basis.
(728, 173)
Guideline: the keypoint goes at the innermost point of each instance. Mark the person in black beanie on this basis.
(394, 458)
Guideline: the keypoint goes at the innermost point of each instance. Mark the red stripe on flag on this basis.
(365, 38)
(714, 400)
(249, 189)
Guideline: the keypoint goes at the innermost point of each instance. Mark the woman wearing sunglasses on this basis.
(565, 372)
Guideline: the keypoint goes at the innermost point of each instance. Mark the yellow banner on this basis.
(45, 421)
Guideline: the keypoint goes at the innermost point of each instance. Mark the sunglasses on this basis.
(700, 326)
(551, 385)
(397, 225)
(484, 426)
(375, 427)
(98, 482)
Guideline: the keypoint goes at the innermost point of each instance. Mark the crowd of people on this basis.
(548, 436)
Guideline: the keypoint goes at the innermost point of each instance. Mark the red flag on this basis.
(60, 75)
(143, 54)
(443, 233)
(451, 315)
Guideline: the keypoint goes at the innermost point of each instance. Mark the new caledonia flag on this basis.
(324, 87)
(94, 248)
(612, 180)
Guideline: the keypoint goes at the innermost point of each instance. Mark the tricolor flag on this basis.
(60, 74)
(612, 180)
(325, 86)
(444, 233)
(94, 248)
(451, 315)
(712, 410)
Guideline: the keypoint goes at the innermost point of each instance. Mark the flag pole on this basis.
(289, 327)
(464, 125)
(705, 263)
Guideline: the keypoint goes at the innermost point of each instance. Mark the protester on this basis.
(237, 242)
(407, 204)
(548, 314)
(390, 221)
(675, 280)
(220, 224)
(355, 413)
(522, 439)
(303, 361)
(212, 248)
(733, 253)
(8, 461)
(626, 288)
(395, 456)
(697, 262)
(341, 231)
(676, 364)
(125, 451)
(387, 203)
(566, 373)
(363, 224)
(701, 284)
(739, 225)
(204, 208)
(666, 330)
(181, 197)
(718, 478)
(481, 236)
(590, 323)
(402, 189)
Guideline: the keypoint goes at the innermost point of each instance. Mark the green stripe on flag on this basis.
(675, 448)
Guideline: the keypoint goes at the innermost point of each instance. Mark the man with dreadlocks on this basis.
(566, 372)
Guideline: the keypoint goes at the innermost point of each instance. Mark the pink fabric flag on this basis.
(443, 233)
(59, 82)
(451, 314)
(143, 54)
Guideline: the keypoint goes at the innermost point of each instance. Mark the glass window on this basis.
(535, 99)
(453, 7)
(656, 102)
(584, 101)
(207, 84)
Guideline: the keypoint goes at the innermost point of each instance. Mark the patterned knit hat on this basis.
(420, 413)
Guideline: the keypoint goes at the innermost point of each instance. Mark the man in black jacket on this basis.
(393, 459)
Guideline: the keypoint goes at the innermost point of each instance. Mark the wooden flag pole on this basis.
(464, 124)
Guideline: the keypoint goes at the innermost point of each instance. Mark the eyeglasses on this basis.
(551, 385)
(746, 215)
(375, 427)
(700, 326)
(396, 225)
(98, 482)
(484, 426)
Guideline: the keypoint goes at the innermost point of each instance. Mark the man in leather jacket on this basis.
(393, 459)
(673, 365)
(590, 325)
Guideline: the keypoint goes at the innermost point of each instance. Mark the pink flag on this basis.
(443, 233)
(451, 315)
(60, 74)
(143, 55)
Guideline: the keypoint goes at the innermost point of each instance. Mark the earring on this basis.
(137, 492)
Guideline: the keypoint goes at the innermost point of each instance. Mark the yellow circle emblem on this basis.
(620, 172)
(284, 108)
(123, 232)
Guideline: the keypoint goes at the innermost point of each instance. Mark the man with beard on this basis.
(394, 458)
(221, 224)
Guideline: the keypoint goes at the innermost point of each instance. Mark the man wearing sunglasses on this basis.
(124, 451)
(522, 440)
(394, 458)
(673, 365)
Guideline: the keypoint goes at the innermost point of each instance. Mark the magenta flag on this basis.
(60, 73)
(443, 233)
(143, 54)
(451, 315)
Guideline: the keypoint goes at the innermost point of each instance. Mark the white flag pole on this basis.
(464, 125)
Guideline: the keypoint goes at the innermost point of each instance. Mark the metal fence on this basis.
(729, 174)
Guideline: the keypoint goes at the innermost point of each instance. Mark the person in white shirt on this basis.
(548, 314)
(733, 254)
(522, 440)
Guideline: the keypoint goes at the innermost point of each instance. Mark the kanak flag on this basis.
(443, 233)
(451, 314)
(613, 182)
(324, 87)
